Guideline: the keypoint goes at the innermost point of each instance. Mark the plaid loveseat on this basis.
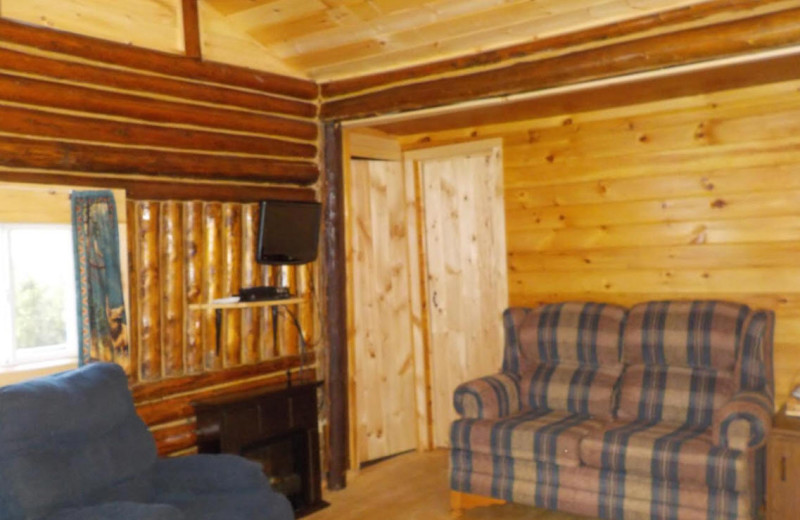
(660, 411)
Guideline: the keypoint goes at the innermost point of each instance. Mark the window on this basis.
(37, 294)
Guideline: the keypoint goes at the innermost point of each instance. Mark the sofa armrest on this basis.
(206, 473)
(120, 511)
(744, 422)
(489, 397)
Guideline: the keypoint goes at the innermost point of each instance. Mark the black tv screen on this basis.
(288, 232)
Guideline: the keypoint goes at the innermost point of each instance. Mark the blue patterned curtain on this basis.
(102, 323)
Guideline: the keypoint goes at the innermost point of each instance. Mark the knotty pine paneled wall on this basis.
(689, 198)
(193, 144)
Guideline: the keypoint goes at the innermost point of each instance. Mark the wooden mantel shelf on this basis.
(246, 305)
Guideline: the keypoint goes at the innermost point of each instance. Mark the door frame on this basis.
(365, 143)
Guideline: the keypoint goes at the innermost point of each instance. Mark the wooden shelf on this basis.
(245, 305)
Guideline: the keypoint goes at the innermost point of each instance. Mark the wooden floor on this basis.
(413, 486)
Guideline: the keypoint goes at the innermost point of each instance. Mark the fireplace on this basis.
(275, 426)
(283, 460)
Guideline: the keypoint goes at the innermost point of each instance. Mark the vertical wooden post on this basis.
(133, 292)
(195, 282)
(251, 277)
(288, 330)
(232, 281)
(191, 30)
(305, 286)
(173, 296)
(212, 251)
(148, 216)
(336, 304)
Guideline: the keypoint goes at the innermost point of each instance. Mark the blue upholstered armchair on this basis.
(73, 448)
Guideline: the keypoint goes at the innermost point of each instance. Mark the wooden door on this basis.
(380, 322)
(467, 285)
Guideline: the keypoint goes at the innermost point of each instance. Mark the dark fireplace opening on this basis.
(275, 426)
(284, 461)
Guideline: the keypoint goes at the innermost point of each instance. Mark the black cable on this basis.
(300, 332)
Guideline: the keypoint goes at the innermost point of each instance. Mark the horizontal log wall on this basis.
(111, 112)
(695, 197)
(189, 253)
(193, 144)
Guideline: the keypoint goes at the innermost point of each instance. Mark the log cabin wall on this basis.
(194, 144)
(73, 104)
(186, 253)
(695, 197)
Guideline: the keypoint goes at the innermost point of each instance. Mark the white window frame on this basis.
(12, 357)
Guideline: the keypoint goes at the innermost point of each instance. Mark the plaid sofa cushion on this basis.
(586, 334)
(701, 334)
(571, 388)
(674, 394)
(546, 436)
(668, 452)
(488, 397)
(511, 479)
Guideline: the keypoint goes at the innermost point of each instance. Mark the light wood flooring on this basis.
(413, 486)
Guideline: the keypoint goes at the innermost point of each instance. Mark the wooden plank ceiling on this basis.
(332, 39)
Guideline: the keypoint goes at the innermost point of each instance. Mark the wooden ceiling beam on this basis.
(603, 96)
(641, 24)
(192, 46)
(695, 45)
(119, 54)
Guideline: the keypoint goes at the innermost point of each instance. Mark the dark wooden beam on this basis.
(170, 408)
(30, 122)
(735, 38)
(191, 30)
(634, 91)
(336, 305)
(140, 189)
(175, 438)
(144, 392)
(16, 61)
(639, 25)
(161, 62)
(67, 156)
(59, 95)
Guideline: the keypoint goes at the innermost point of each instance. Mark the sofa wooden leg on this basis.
(460, 502)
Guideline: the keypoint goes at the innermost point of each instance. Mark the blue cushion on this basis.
(120, 511)
(73, 448)
(252, 505)
(68, 439)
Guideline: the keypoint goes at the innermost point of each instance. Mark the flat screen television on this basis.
(288, 232)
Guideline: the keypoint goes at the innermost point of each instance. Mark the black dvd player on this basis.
(255, 294)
